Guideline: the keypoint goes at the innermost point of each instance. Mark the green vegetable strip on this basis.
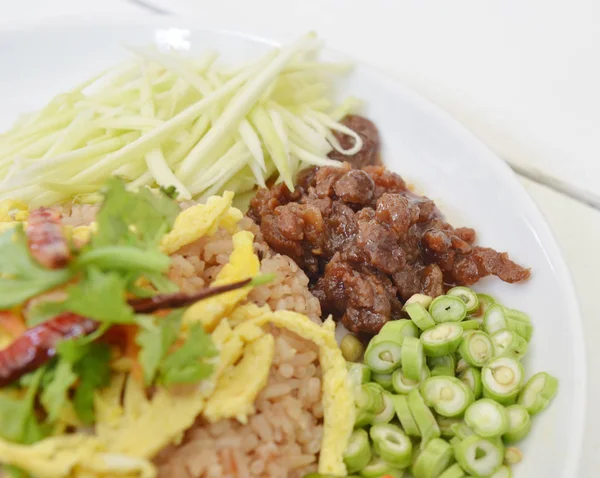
(401, 384)
(476, 348)
(405, 416)
(472, 324)
(447, 309)
(472, 378)
(448, 396)
(494, 319)
(384, 380)
(507, 342)
(425, 420)
(433, 459)
(519, 424)
(485, 302)
(377, 468)
(479, 456)
(538, 392)
(442, 339)
(387, 413)
(467, 296)
(398, 329)
(369, 397)
(383, 355)
(447, 425)
(357, 454)
(502, 378)
(419, 315)
(455, 471)
(392, 444)
(487, 418)
(412, 358)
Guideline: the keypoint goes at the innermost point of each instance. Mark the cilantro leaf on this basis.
(21, 277)
(43, 311)
(185, 364)
(54, 394)
(128, 218)
(155, 337)
(100, 296)
(93, 370)
(17, 416)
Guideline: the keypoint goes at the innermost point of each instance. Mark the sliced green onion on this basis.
(507, 342)
(405, 416)
(455, 471)
(383, 355)
(461, 365)
(413, 359)
(502, 472)
(446, 425)
(471, 324)
(357, 454)
(362, 418)
(392, 444)
(442, 371)
(520, 323)
(433, 459)
(487, 418)
(513, 456)
(358, 374)
(485, 302)
(377, 468)
(387, 413)
(422, 299)
(352, 348)
(442, 339)
(369, 397)
(425, 420)
(476, 348)
(461, 430)
(419, 315)
(448, 396)
(447, 360)
(383, 379)
(447, 309)
(538, 392)
(472, 378)
(404, 385)
(479, 456)
(502, 378)
(495, 319)
(468, 296)
(519, 423)
(398, 329)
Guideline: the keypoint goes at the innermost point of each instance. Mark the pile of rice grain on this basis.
(283, 438)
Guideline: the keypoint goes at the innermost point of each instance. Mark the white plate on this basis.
(471, 185)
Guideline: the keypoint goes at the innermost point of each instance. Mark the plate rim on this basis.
(531, 211)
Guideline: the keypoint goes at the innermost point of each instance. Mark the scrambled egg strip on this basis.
(74, 455)
(243, 263)
(238, 388)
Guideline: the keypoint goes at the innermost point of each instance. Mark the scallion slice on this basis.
(405, 416)
(502, 378)
(467, 296)
(538, 392)
(472, 378)
(383, 354)
(479, 456)
(433, 459)
(357, 454)
(442, 339)
(476, 348)
(507, 342)
(413, 359)
(487, 418)
(425, 420)
(447, 308)
(494, 319)
(419, 315)
(519, 423)
(392, 444)
(448, 396)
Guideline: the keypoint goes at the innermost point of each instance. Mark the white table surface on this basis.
(523, 75)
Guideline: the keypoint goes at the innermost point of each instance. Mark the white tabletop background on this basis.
(523, 75)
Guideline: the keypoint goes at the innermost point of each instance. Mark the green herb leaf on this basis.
(43, 311)
(185, 364)
(93, 370)
(54, 394)
(128, 218)
(100, 296)
(21, 277)
(17, 416)
(155, 337)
